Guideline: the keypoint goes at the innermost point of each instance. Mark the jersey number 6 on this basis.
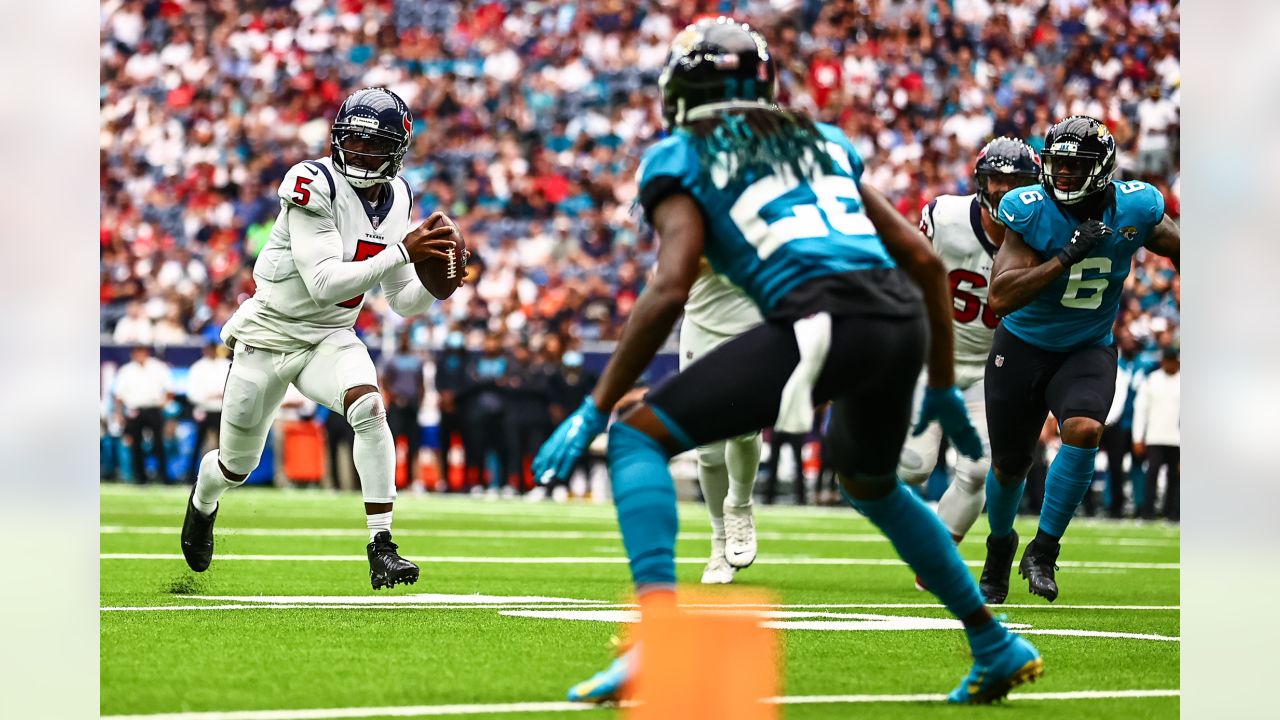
(1077, 284)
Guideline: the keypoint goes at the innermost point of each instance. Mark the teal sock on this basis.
(1069, 477)
(1002, 504)
(987, 639)
(923, 542)
(645, 497)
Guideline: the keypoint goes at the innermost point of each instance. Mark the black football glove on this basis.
(1086, 237)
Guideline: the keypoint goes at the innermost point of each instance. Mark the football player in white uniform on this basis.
(966, 232)
(342, 229)
(715, 312)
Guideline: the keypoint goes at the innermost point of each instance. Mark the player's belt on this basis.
(232, 344)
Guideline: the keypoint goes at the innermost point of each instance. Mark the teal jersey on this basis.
(1079, 307)
(770, 231)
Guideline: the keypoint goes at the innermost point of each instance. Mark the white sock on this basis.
(210, 484)
(961, 504)
(717, 527)
(373, 450)
(378, 522)
(742, 458)
(713, 478)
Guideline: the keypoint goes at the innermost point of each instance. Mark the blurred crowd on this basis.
(530, 118)
(529, 121)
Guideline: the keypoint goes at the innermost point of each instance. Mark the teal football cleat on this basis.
(1017, 663)
(608, 684)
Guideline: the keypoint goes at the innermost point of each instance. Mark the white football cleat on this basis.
(739, 536)
(718, 570)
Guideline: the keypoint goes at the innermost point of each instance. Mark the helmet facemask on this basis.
(989, 201)
(1080, 174)
(366, 156)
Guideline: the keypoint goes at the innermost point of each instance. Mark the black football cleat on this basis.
(994, 582)
(1038, 563)
(197, 536)
(386, 567)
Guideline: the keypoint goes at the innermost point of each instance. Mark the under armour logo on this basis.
(999, 361)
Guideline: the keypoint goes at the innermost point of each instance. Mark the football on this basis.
(442, 277)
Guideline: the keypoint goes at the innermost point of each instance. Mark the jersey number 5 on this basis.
(966, 305)
(364, 251)
(302, 195)
(1077, 285)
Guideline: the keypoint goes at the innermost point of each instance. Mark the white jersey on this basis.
(717, 305)
(954, 224)
(325, 252)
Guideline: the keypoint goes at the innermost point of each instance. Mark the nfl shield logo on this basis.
(999, 361)
(375, 219)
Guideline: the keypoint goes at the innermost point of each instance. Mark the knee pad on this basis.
(858, 487)
(911, 467)
(972, 474)
(1011, 465)
(368, 413)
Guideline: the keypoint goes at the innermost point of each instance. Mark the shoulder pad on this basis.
(835, 135)
(1146, 200)
(669, 157)
(308, 185)
(1020, 207)
(926, 218)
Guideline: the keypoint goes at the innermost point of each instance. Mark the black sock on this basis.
(1045, 539)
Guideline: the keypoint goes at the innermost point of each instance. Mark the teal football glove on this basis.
(946, 405)
(561, 451)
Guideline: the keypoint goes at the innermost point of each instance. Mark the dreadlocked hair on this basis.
(761, 139)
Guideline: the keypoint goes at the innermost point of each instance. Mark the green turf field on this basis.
(285, 620)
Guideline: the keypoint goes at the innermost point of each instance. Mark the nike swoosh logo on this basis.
(311, 170)
(1006, 214)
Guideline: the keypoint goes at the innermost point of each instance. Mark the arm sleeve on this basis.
(317, 251)
(405, 293)
(1140, 402)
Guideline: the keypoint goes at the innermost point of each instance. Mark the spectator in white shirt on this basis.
(1157, 432)
(134, 328)
(1157, 119)
(142, 388)
(206, 380)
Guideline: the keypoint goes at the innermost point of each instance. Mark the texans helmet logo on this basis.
(408, 124)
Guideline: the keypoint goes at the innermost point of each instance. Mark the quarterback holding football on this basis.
(343, 228)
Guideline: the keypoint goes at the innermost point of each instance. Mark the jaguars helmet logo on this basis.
(1129, 232)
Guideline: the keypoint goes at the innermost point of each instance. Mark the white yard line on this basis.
(575, 535)
(541, 707)
(615, 560)
(253, 602)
